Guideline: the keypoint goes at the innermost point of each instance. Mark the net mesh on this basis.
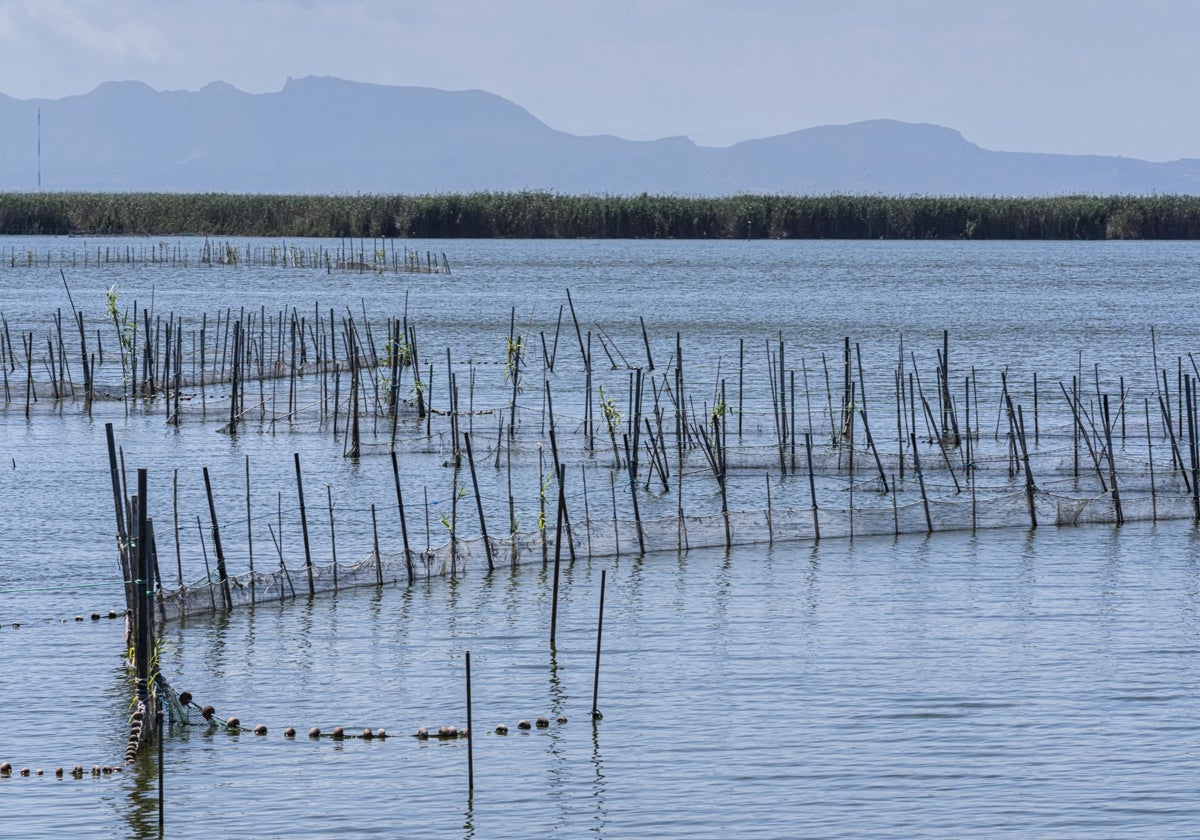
(972, 507)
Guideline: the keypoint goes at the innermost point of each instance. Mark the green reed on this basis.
(536, 214)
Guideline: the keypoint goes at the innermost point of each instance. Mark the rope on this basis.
(107, 584)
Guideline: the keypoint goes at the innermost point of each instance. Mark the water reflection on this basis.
(559, 772)
(812, 579)
(599, 785)
(306, 614)
(140, 806)
(215, 649)
(469, 816)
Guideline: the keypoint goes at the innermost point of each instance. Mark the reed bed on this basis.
(536, 214)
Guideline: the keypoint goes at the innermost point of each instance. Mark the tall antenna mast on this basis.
(39, 138)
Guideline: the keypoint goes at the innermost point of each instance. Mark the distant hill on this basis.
(325, 135)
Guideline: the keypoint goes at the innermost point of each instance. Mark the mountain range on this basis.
(327, 135)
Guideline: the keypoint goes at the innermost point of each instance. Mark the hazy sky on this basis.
(1116, 77)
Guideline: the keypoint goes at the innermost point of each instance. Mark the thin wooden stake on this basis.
(470, 730)
(378, 559)
(308, 568)
(332, 536)
(562, 504)
(408, 564)
(921, 480)
(207, 569)
(599, 635)
(487, 543)
(812, 486)
(216, 538)
(1150, 458)
(175, 509)
(249, 530)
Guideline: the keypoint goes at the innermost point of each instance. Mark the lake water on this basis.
(1003, 683)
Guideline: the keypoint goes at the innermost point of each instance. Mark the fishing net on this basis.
(970, 505)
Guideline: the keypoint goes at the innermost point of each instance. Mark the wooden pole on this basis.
(487, 544)
(1193, 451)
(234, 370)
(249, 531)
(1036, 430)
(175, 509)
(470, 730)
(222, 575)
(354, 426)
(557, 464)
(332, 536)
(143, 617)
(637, 515)
(562, 503)
(646, 341)
(578, 332)
(1030, 489)
(770, 530)
(378, 559)
(741, 380)
(896, 509)
(304, 526)
(1081, 430)
(812, 486)
(161, 767)
(408, 564)
(921, 481)
(123, 547)
(207, 570)
(1150, 458)
(871, 445)
(599, 634)
(612, 486)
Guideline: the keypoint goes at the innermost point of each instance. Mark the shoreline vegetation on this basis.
(547, 215)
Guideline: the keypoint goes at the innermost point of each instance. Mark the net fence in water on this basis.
(972, 506)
